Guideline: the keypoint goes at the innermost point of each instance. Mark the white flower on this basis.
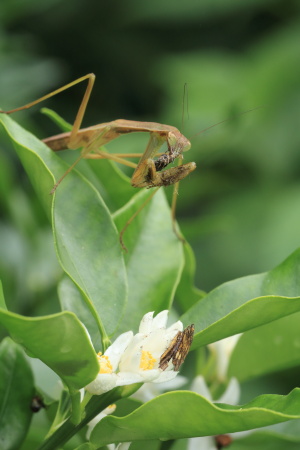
(135, 358)
(223, 350)
(230, 396)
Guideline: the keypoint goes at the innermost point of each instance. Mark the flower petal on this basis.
(117, 348)
(173, 383)
(160, 320)
(146, 323)
(158, 341)
(124, 378)
(223, 350)
(199, 386)
(232, 393)
(165, 376)
(103, 382)
(130, 360)
(150, 375)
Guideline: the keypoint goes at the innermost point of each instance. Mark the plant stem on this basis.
(68, 429)
(95, 405)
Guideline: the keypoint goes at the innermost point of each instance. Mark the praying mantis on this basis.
(148, 171)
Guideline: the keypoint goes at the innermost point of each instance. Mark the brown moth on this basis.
(178, 349)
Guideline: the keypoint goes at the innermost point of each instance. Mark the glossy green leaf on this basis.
(147, 445)
(246, 303)
(158, 419)
(155, 258)
(89, 249)
(272, 347)
(113, 184)
(126, 406)
(71, 299)
(16, 393)
(37, 160)
(59, 340)
(86, 239)
(187, 294)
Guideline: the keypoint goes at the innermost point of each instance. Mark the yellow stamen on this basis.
(105, 364)
(147, 361)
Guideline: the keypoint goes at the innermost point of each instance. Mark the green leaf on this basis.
(38, 161)
(187, 294)
(16, 393)
(89, 250)
(62, 410)
(59, 340)
(2, 300)
(72, 300)
(155, 258)
(126, 406)
(86, 239)
(158, 419)
(57, 119)
(246, 303)
(147, 445)
(113, 184)
(254, 353)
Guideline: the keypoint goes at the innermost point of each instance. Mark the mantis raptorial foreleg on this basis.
(148, 172)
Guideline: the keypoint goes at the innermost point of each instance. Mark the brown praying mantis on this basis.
(148, 171)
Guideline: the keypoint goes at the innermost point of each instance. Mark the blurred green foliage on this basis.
(239, 210)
